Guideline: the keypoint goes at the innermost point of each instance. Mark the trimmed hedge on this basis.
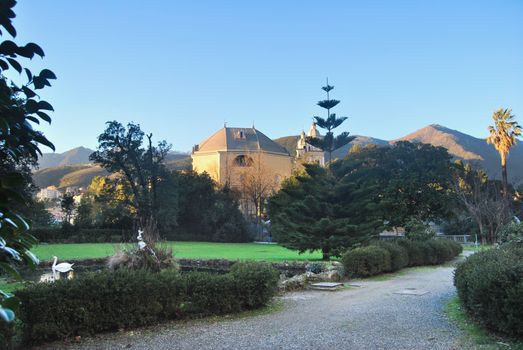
(399, 256)
(84, 235)
(366, 261)
(107, 301)
(490, 287)
(380, 257)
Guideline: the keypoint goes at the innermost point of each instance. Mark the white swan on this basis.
(62, 267)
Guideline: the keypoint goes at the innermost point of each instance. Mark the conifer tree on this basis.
(329, 143)
(325, 210)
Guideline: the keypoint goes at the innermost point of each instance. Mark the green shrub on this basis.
(259, 280)
(415, 251)
(511, 233)
(430, 252)
(399, 257)
(105, 301)
(366, 261)
(490, 287)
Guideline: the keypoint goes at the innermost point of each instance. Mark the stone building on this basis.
(307, 153)
(246, 160)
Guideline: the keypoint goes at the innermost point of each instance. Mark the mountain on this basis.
(459, 145)
(471, 149)
(290, 142)
(71, 169)
(78, 155)
(79, 175)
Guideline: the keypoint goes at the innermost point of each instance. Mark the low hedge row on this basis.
(380, 257)
(106, 301)
(83, 235)
(490, 287)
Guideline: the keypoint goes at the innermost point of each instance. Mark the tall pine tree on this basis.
(325, 210)
(329, 143)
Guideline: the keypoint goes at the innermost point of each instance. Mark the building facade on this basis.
(307, 153)
(231, 153)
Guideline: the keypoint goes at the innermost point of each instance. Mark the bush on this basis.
(511, 233)
(431, 252)
(399, 257)
(73, 234)
(106, 301)
(415, 251)
(366, 261)
(490, 287)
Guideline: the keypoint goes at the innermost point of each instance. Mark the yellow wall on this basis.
(221, 166)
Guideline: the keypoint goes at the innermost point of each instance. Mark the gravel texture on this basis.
(369, 317)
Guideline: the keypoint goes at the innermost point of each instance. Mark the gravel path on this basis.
(369, 317)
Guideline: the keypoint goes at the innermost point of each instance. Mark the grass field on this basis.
(203, 250)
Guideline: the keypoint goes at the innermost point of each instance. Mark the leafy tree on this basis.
(20, 110)
(329, 143)
(121, 150)
(105, 204)
(206, 212)
(482, 199)
(414, 181)
(325, 210)
(503, 136)
(68, 206)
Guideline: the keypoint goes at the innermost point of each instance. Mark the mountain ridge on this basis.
(75, 162)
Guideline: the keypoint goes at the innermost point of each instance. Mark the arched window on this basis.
(243, 161)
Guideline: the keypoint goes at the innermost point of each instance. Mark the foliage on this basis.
(152, 258)
(366, 261)
(121, 150)
(482, 199)
(109, 301)
(329, 143)
(431, 252)
(490, 286)
(399, 256)
(503, 135)
(205, 212)
(82, 235)
(511, 233)
(324, 209)
(417, 230)
(67, 205)
(20, 109)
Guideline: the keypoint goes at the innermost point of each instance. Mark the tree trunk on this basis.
(504, 178)
(326, 253)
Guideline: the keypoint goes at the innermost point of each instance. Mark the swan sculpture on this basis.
(62, 267)
(141, 243)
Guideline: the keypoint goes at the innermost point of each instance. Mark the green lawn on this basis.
(203, 250)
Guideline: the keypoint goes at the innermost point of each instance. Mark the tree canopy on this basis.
(20, 110)
(329, 143)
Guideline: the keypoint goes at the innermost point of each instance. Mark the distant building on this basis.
(48, 193)
(247, 161)
(307, 153)
(231, 152)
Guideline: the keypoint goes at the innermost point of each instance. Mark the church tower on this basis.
(307, 153)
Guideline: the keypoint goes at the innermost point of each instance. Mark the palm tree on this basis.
(503, 135)
(329, 143)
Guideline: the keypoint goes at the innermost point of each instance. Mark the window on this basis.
(243, 161)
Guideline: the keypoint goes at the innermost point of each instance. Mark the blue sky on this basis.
(182, 68)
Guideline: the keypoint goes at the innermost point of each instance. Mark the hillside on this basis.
(471, 149)
(289, 142)
(459, 145)
(78, 155)
(68, 175)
